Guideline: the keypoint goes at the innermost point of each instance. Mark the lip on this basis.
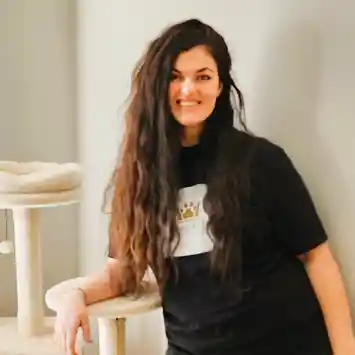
(187, 103)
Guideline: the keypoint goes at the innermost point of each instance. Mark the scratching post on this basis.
(26, 189)
(28, 271)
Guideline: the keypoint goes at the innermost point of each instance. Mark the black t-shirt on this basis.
(201, 314)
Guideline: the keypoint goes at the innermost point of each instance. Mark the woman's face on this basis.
(194, 87)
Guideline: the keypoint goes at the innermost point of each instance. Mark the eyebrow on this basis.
(198, 71)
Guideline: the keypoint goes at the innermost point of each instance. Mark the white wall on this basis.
(294, 62)
(37, 120)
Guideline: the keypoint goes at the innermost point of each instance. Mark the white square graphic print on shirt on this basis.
(192, 222)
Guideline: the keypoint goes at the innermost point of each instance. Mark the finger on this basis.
(86, 329)
(70, 343)
(58, 337)
(55, 339)
(62, 340)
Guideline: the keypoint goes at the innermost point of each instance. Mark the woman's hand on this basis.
(71, 315)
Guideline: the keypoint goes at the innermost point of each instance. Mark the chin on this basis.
(191, 121)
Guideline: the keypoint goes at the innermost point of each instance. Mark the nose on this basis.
(187, 86)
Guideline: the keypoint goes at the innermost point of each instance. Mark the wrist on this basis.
(77, 292)
(82, 292)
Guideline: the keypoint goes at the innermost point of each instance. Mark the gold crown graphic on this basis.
(188, 211)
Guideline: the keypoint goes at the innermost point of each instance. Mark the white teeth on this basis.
(188, 103)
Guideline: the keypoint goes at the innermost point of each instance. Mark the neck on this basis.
(191, 135)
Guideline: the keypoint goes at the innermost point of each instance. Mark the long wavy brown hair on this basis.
(145, 184)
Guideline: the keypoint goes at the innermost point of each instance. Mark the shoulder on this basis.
(260, 151)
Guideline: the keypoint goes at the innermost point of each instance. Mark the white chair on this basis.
(111, 315)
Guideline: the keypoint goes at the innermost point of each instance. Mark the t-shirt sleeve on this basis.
(295, 220)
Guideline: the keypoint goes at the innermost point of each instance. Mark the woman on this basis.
(221, 216)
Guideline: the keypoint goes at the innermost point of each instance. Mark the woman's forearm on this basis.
(327, 282)
(96, 288)
(103, 285)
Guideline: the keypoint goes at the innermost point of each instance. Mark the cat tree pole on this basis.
(26, 188)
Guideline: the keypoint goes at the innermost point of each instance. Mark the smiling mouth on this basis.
(185, 103)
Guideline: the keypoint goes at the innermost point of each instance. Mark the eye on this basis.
(204, 77)
(174, 76)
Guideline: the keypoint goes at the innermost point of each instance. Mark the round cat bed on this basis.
(36, 184)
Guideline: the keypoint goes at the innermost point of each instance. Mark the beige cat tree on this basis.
(25, 189)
